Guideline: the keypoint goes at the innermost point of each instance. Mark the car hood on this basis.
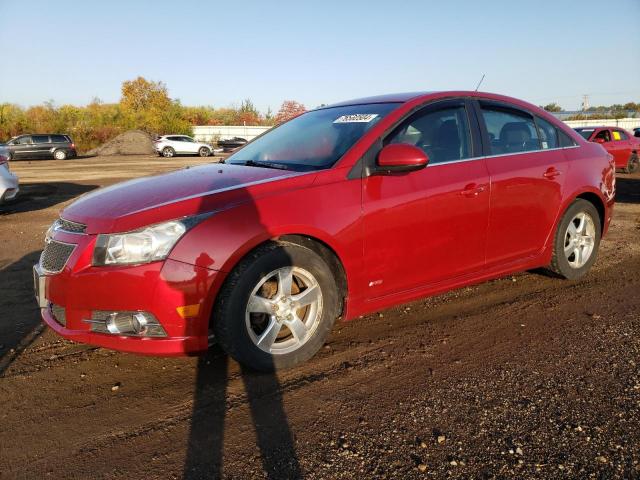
(144, 201)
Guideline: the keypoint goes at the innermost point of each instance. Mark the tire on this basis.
(259, 276)
(633, 164)
(168, 152)
(204, 152)
(60, 155)
(572, 257)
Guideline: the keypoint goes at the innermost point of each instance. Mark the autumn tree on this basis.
(141, 94)
(289, 109)
(146, 105)
(248, 114)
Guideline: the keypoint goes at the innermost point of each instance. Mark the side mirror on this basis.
(400, 158)
(599, 140)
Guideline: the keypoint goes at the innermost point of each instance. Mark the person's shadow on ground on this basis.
(206, 436)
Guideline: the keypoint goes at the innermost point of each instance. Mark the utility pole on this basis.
(585, 102)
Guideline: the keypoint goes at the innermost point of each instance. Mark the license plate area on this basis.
(39, 286)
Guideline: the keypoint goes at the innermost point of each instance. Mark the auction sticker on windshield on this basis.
(356, 118)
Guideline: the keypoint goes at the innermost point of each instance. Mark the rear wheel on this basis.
(277, 307)
(633, 165)
(203, 152)
(168, 152)
(577, 241)
(59, 154)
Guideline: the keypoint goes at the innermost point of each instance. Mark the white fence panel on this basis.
(210, 133)
(626, 123)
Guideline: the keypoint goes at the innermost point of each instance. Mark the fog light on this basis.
(141, 324)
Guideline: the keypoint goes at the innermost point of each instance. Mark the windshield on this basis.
(585, 132)
(314, 140)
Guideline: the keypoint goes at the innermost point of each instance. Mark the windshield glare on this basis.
(586, 133)
(314, 140)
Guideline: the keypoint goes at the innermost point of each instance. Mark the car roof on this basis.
(48, 134)
(418, 97)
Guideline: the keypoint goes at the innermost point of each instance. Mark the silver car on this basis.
(8, 181)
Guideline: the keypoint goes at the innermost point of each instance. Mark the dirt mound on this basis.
(133, 142)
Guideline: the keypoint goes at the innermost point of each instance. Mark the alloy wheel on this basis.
(284, 310)
(579, 240)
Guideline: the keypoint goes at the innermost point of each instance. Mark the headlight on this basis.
(142, 246)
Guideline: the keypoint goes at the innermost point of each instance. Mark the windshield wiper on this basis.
(253, 163)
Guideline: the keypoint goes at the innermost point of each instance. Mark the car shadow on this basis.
(20, 323)
(39, 196)
(628, 188)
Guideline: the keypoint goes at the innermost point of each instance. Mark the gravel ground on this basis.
(522, 377)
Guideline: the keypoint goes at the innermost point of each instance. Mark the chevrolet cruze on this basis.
(344, 210)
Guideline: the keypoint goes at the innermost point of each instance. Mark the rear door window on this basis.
(442, 133)
(619, 135)
(40, 138)
(510, 130)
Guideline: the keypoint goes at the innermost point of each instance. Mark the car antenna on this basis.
(479, 83)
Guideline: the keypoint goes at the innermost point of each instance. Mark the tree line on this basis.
(144, 105)
(617, 110)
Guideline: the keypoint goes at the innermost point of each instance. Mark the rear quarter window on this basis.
(565, 140)
(59, 139)
(548, 134)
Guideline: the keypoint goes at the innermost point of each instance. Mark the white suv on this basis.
(170, 145)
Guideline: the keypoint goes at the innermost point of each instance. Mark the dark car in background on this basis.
(230, 144)
(44, 145)
(636, 132)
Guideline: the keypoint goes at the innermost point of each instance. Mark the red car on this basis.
(620, 143)
(344, 210)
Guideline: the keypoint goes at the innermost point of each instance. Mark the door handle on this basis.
(551, 173)
(472, 190)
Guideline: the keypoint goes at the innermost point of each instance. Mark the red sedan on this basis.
(620, 143)
(344, 210)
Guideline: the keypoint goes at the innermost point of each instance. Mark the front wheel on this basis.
(277, 307)
(203, 152)
(577, 241)
(59, 155)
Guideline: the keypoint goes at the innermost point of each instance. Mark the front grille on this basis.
(69, 226)
(55, 256)
(59, 314)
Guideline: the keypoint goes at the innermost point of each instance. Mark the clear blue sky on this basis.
(218, 53)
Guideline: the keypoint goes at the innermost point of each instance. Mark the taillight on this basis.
(73, 145)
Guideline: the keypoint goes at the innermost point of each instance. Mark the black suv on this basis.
(41, 146)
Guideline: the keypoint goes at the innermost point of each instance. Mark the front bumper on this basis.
(9, 185)
(159, 288)
(170, 346)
